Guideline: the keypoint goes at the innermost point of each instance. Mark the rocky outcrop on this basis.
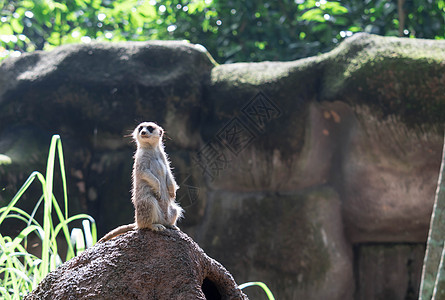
(141, 265)
(297, 238)
(285, 168)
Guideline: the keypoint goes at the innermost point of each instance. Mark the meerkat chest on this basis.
(158, 167)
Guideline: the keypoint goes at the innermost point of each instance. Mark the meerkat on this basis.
(154, 187)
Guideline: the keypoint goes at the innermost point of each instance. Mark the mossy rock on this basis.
(394, 76)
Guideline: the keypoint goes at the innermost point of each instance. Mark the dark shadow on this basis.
(210, 291)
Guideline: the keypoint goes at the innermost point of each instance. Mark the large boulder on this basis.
(285, 168)
(93, 96)
(141, 264)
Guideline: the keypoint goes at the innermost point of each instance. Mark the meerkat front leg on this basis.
(152, 181)
(172, 186)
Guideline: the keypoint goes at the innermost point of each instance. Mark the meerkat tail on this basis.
(175, 213)
(118, 231)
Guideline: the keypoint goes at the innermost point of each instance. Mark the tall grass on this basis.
(21, 271)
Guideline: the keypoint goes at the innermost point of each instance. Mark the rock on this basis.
(141, 265)
(393, 76)
(294, 243)
(106, 86)
(389, 271)
(389, 180)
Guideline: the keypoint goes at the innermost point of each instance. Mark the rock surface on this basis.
(285, 167)
(141, 265)
(389, 271)
(304, 228)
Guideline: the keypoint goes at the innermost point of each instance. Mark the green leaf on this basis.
(147, 10)
(6, 29)
(136, 19)
(196, 6)
(27, 4)
(355, 29)
(336, 8)
(16, 26)
(60, 6)
(315, 15)
(54, 39)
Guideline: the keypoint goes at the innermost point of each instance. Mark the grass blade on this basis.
(62, 174)
(19, 194)
(436, 236)
(260, 284)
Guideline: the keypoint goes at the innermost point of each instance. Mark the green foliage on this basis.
(261, 285)
(21, 271)
(232, 30)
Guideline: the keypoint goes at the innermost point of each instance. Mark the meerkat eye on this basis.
(150, 128)
(140, 128)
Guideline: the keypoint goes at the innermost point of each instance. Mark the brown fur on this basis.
(154, 187)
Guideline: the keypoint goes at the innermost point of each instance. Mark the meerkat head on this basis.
(148, 134)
